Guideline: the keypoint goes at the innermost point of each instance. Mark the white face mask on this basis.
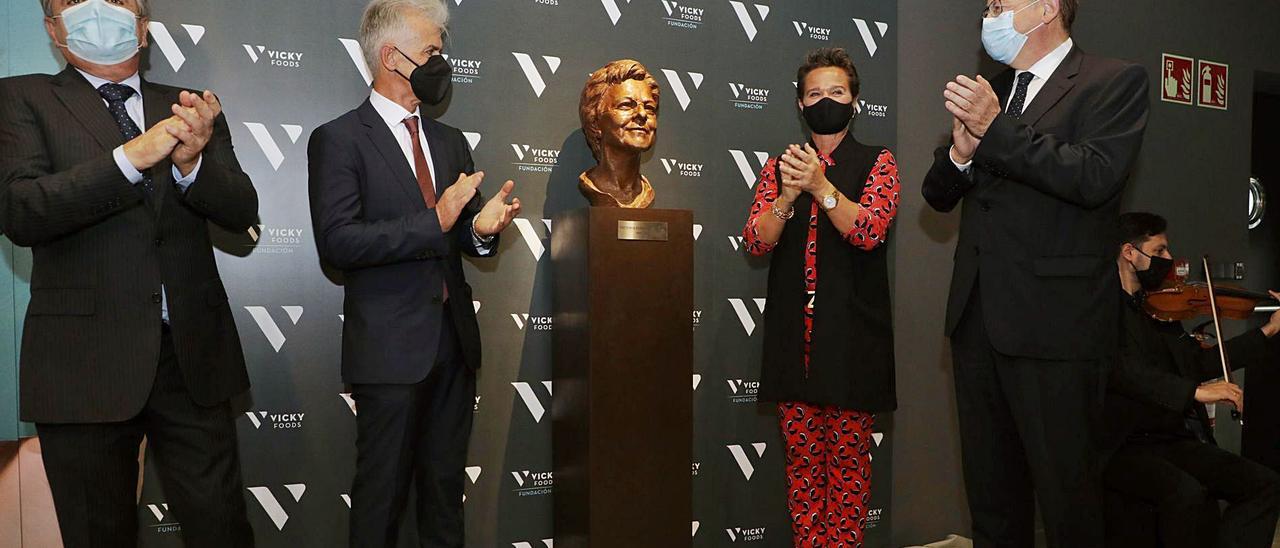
(100, 33)
(1003, 42)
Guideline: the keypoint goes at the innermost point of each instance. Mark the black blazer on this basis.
(372, 224)
(101, 251)
(1153, 386)
(1037, 228)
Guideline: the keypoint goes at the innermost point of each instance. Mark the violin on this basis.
(1186, 300)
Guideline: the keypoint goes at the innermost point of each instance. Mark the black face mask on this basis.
(1153, 277)
(430, 82)
(828, 116)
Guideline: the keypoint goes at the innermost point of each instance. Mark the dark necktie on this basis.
(1019, 101)
(424, 177)
(425, 184)
(116, 95)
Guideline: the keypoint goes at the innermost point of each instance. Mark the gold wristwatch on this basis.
(830, 201)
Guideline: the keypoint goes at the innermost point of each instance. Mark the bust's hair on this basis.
(591, 106)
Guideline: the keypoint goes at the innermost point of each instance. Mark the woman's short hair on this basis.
(828, 57)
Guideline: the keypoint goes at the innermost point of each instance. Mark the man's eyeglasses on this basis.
(994, 9)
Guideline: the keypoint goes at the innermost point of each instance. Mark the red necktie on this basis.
(425, 184)
(424, 176)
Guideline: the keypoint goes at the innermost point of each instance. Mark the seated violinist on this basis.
(1157, 433)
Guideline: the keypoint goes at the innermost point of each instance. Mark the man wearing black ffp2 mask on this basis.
(432, 80)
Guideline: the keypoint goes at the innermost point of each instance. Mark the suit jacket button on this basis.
(156, 298)
(159, 242)
(986, 206)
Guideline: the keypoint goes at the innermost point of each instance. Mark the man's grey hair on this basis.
(384, 21)
(144, 8)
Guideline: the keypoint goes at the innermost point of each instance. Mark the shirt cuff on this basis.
(126, 167)
(484, 244)
(184, 182)
(964, 168)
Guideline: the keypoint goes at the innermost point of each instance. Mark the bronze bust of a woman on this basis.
(619, 113)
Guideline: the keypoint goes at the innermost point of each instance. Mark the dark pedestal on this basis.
(623, 357)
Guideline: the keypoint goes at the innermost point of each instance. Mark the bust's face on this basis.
(630, 117)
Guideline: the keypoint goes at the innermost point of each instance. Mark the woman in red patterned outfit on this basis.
(825, 208)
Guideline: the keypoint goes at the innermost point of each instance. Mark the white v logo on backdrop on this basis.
(744, 315)
(531, 400)
(611, 8)
(267, 143)
(677, 86)
(868, 39)
(272, 506)
(531, 238)
(268, 325)
(172, 52)
(749, 172)
(161, 512)
(744, 17)
(473, 139)
(356, 53)
(473, 472)
(743, 458)
(531, 72)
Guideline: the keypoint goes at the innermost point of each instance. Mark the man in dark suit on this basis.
(1157, 433)
(1039, 156)
(386, 215)
(128, 333)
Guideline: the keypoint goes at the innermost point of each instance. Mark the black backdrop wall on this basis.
(726, 69)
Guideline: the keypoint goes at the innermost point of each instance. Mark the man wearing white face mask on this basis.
(1038, 160)
(111, 180)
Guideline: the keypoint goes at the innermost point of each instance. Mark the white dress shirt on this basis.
(1042, 71)
(393, 115)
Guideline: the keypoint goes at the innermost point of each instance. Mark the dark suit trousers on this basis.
(1177, 475)
(93, 469)
(1027, 436)
(414, 434)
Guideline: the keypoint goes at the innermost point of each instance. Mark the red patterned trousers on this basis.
(828, 454)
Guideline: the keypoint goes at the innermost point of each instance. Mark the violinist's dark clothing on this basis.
(1161, 448)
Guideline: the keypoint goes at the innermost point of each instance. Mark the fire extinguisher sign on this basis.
(1212, 80)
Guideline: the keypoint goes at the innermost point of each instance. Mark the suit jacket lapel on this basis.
(385, 143)
(86, 105)
(1062, 80)
(155, 107)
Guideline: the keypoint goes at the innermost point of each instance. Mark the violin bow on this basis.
(1217, 328)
